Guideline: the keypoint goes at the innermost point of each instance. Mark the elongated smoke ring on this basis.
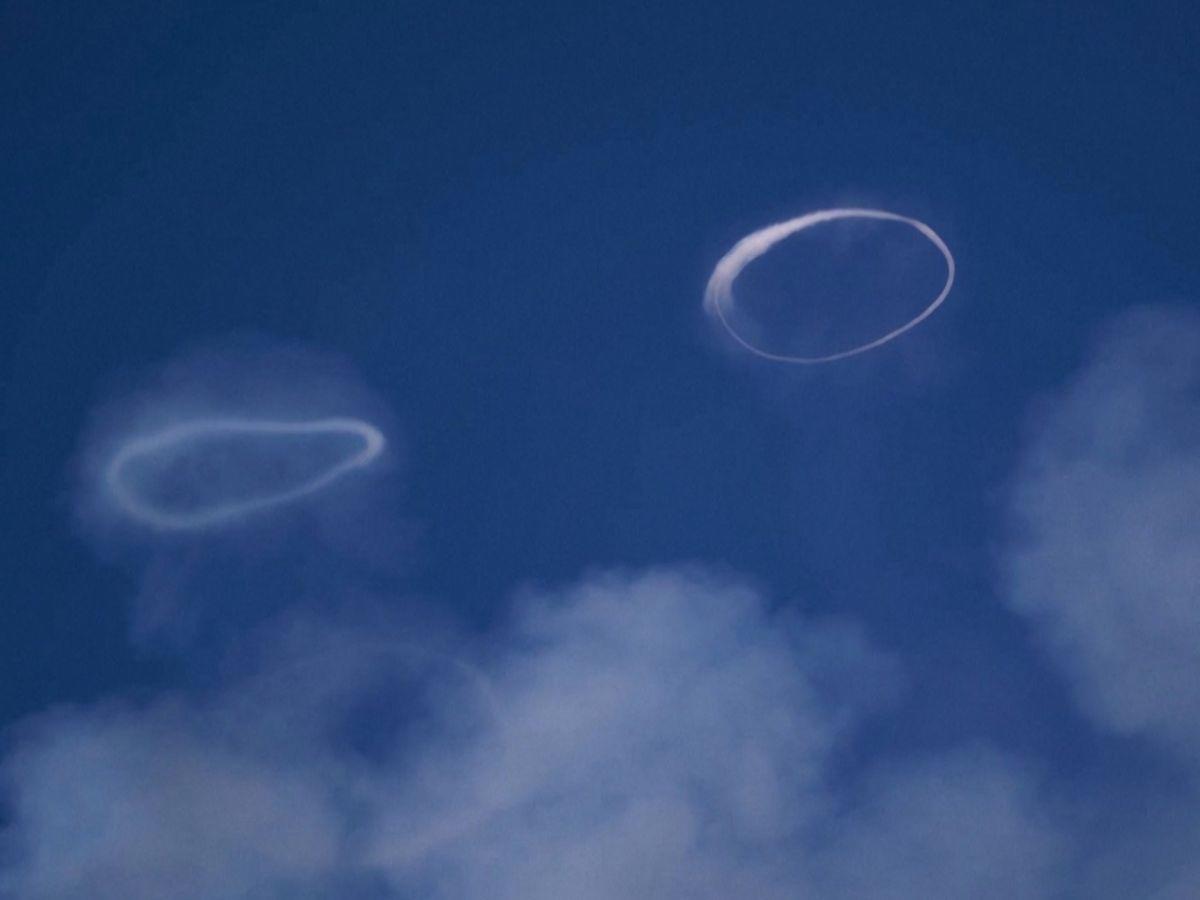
(372, 440)
(718, 296)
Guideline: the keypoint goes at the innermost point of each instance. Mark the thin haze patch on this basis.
(147, 513)
(719, 299)
(337, 671)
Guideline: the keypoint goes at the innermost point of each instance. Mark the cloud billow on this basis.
(1105, 555)
(654, 734)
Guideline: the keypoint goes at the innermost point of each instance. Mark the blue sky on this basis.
(488, 232)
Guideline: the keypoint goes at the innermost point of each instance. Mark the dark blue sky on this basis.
(505, 215)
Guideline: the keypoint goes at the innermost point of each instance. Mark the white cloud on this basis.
(658, 733)
(128, 804)
(1105, 557)
(653, 735)
(670, 739)
(966, 824)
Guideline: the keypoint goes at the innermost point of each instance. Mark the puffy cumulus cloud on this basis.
(659, 735)
(127, 803)
(255, 787)
(1105, 552)
(970, 823)
(669, 738)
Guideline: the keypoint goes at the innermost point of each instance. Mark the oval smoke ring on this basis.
(175, 436)
(719, 299)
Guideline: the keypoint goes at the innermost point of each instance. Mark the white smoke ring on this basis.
(718, 296)
(147, 514)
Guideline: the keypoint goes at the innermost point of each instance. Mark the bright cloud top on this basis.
(177, 438)
(719, 299)
(1106, 550)
(665, 735)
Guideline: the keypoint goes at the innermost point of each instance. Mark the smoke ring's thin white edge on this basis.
(718, 295)
(147, 514)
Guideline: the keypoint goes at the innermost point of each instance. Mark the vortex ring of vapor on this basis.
(372, 439)
(718, 296)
